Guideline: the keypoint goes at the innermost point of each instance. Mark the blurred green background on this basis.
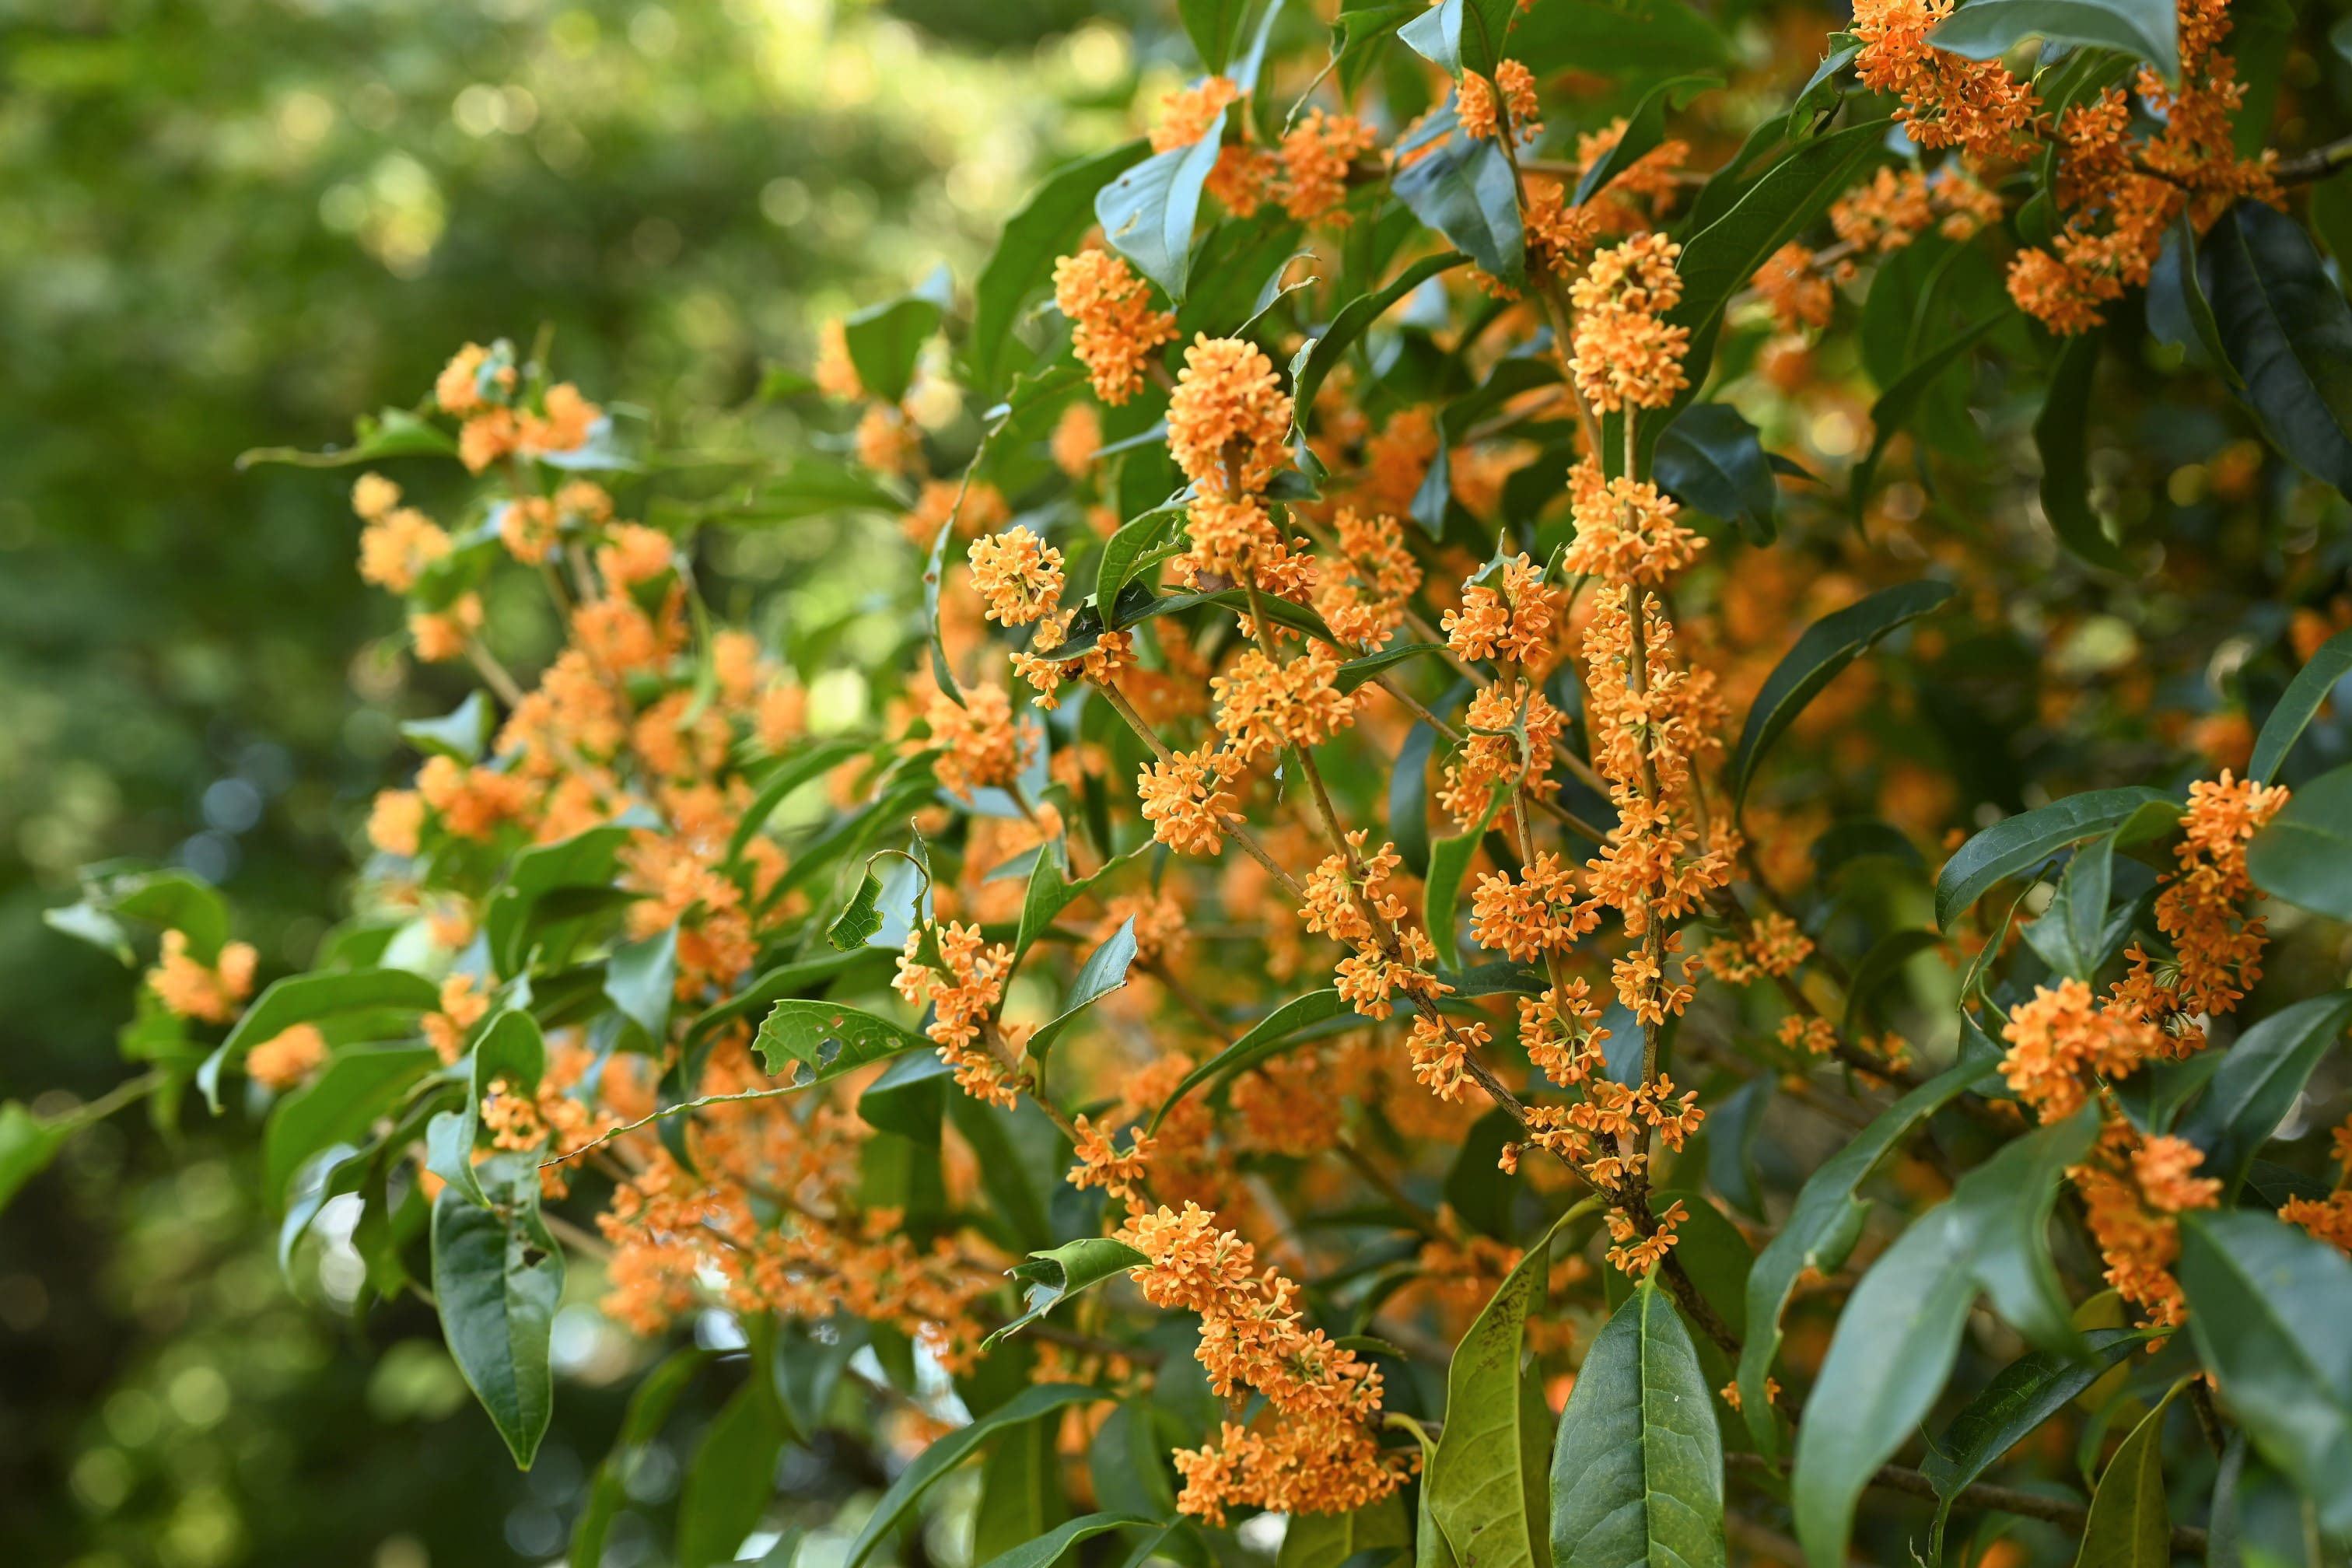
(239, 223)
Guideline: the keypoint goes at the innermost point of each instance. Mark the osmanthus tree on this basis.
(1376, 960)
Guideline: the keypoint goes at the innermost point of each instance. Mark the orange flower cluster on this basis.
(965, 985)
(1774, 945)
(1474, 101)
(1185, 798)
(2329, 1218)
(1264, 707)
(1019, 576)
(1793, 287)
(1316, 155)
(1945, 100)
(1625, 530)
(1113, 328)
(1491, 756)
(478, 384)
(1313, 1451)
(287, 1059)
(1516, 622)
(1626, 353)
(1362, 597)
(207, 993)
(980, 746)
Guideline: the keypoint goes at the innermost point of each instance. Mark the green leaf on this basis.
(2288, 333)
(812, 487)
(1719, 260)
(935, 568)
(816, 1041)
(1049, 1278)
(732, 1476)
(1048, 226)
(1644, 129)
(1409, 797)
(357, 1085)
(1104, 971)
(1462, 34)
(1050, 893)
(1357, 672)
(2177, 309)
(2309, 689)
(2066, 461)
(655, 1396)
(2013, 1406)
(799, 769)
(2072, 934)
(1356, 37)
(1440, 896)
(2305, 856)
(1317, 357)
(1901, 1328)
(322, 998)
(860, 920)
(1264, 1040)
(1211, 24)
(2128, 1527)
(886, 339)
(1474, 1487)
(1055, 1544)
(641, 980)
(948, 1451)
(1906, 393)
(393, 433)
(1820, 1232)
(2267, 1306)
(1465, 190)
(1987, 29)
(27, 1144)
(1820, 657)
(1147, 214)
(1330, 1539)
(498, 1277)
(1592, 34)
(1712, 460)
(1139, 545)
(2019, 844)
(1859, 838)
(1637, 1473)
(2258, 1082)
(588, 860)
(463, 734)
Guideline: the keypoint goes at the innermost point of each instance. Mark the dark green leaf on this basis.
(1475, 1489)
(2305, 856)
(2288, 333)
(2128, 1527)
(498, 1275)
(1317, 355)
(1819, 655)
(586, 860)
(1465, 190)
(1637, 1473)
(1861, 838)
(1052, 1546)
(814, 1041)
(1355, 672)
(1147, 214)
(321, 999)
(27, 1144)
(1104, 971)
(1880, 966)
(2309, 689)
(1901, 1328)
(732, 1476)
(1906, 393)
(812, 487)
(357, 1085)
(1409, 797)
(393, 433)
(886, 339)
(2013, 1405)
(1440, 896)
(1261, 1040)
(2019, 844)
(1211, 24)
(1049, 225)
(1987, 29)
(1711, 460)
(1334, 1539)
(2065, 466)
(2258, 1081)
(1821, 1232)
(1356, 37)
(2267, 1306)
(946, 1452)
(1049, 1278)
(1644, 129)
(641, 979)
(2071, 934)
(1462, 34)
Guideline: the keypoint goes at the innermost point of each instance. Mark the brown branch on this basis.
(2186, 1540)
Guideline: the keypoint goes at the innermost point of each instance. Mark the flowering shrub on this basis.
(1400, 841)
